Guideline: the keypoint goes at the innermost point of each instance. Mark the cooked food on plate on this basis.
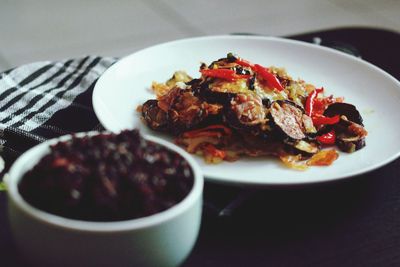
(238, 108)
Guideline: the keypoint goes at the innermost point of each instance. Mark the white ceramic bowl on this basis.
(162, 239)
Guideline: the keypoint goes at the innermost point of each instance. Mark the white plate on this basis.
(376, 94)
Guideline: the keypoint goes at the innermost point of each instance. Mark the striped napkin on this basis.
(47, 99)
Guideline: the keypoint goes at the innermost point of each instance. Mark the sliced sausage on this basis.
(288, 118)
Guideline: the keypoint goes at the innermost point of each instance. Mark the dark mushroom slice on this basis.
(215, 97)
(350, 136)
(348, 110)
(349, 144)
(154, 117)
(230, 58)
(197, 85)
(202, 90)
(303, 147)
(226, 61)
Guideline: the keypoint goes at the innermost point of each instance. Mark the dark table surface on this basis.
(353, 222)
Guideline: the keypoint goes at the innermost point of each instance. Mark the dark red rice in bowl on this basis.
(107, 177)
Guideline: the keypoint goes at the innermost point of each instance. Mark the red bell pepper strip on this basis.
(241, 76)
(271, 79)
(311, 100)
(226, 74)
(320, 104)
(264, 73)
(328, 138)
(320, 120)
(244, 63)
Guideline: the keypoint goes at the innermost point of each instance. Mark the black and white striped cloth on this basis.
(47, 99)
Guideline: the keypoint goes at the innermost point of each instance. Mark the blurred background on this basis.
(35, 30)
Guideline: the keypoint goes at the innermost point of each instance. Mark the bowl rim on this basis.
(34, 154)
